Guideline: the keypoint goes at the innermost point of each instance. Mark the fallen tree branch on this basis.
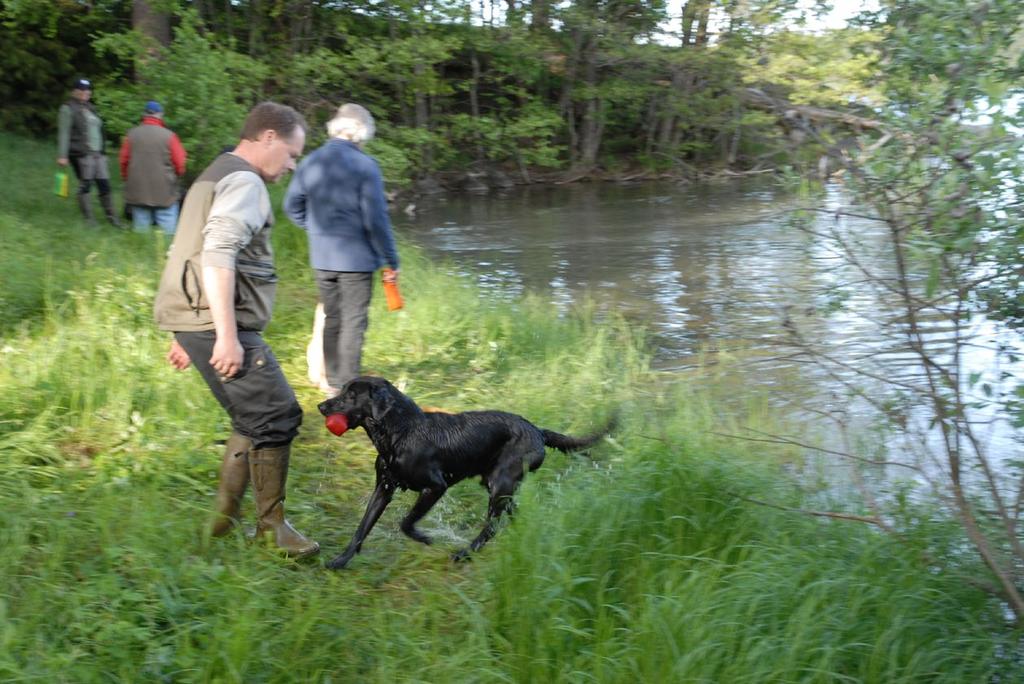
(787, 110)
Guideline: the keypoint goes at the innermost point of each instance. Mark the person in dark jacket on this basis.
(152, 160)
(337, 197)
(80, 143)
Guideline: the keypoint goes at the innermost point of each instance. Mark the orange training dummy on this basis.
(391, 293)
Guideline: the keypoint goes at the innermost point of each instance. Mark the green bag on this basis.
(60, 183)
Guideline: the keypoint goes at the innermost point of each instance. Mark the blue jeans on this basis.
(144, 217)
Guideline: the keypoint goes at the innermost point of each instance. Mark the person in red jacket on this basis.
(152, 162)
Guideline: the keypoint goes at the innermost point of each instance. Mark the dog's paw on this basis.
(338, 562)
(462, 556)
(416, 535)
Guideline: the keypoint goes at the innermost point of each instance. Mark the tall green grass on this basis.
(648, 563)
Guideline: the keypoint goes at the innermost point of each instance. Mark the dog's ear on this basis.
(381, 402)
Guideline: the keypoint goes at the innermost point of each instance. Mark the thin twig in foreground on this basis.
(871, 520)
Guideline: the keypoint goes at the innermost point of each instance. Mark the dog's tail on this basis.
(565, 443)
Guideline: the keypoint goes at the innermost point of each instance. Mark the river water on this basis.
(714, 264)
(714, 268)
(692, 264)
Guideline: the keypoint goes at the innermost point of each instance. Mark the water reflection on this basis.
(693, 264)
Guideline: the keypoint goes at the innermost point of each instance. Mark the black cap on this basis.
(81, 84)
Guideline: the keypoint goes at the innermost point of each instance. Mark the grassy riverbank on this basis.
(648, 566)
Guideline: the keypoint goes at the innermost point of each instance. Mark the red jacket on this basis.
(152, 160)
(178, 156)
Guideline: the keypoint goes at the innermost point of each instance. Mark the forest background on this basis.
(464, 91)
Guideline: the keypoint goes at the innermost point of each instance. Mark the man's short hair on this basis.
(352, 122)
(271, 116)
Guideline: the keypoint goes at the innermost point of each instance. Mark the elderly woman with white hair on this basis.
(337, 196)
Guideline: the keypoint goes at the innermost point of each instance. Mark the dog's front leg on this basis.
(379, 500)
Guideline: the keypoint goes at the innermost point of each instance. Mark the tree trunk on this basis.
(422, 112)
(695, 22)
(540, 11)
(689, 9)
(734, 145)
(227, 20)
(422, 105)
(151, 22)
(302, 26)
(592, 127)
(474, 102)
(702, 24)
(651, 123)
(667, 124)
(421, 102)
(595, 127)
(255, 28)
(205, 15)
(566, 103)
(669, 131)
(400, 81)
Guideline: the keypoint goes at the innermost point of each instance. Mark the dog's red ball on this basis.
(337, 423)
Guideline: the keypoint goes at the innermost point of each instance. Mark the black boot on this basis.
(269, 471)
(85, 204)
(234, 478)
(108, 208)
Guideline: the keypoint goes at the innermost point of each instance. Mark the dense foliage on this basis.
(537, 87)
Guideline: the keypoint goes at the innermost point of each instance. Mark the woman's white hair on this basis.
(352, 122)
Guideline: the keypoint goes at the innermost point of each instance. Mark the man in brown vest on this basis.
(216, 295)
(152, 161)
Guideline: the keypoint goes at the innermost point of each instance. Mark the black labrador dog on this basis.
(428, 452)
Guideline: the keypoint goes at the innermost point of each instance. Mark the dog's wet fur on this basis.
(430, 452)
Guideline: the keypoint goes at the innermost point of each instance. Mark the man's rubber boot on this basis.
(85, 204)
(269, 471)
(234, 478)
(108, 208)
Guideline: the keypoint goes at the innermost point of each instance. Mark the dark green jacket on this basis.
(79, 129)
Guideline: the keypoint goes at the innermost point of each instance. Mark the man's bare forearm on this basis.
(219, 284)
